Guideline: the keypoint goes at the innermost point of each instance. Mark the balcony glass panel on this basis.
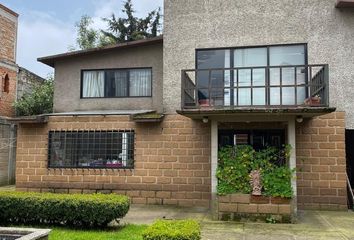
(244, 77)
(259, 96)
(274, 96)
(244, 97)
(259, 77)
(288, 96)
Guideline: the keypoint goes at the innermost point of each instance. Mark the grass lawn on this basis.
(128, 232)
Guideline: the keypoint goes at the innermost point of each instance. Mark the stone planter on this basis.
(24, 233)
(246, 207)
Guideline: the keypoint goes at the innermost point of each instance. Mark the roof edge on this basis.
(50, 60)
(8, 10)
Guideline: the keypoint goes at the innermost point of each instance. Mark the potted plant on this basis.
(313, 101)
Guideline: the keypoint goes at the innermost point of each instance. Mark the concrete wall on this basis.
(68, 74)
(7, 153)
(328, 31)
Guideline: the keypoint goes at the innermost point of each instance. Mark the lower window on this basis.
(91, 149)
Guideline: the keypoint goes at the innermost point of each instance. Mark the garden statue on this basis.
(256, 183)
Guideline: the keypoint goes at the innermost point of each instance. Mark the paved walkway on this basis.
(8, 188)
(312, 225)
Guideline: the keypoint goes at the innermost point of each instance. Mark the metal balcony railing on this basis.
(256, 87)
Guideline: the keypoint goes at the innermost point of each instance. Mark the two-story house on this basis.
(147, 118)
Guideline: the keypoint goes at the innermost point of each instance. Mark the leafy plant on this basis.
(173, 230)
(277, 182)
(236, 163)
(234, 168)
(61, 209)
(40, 101)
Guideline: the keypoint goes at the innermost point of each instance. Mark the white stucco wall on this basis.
(329, 33)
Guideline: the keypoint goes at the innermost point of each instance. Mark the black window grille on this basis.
(91, 149)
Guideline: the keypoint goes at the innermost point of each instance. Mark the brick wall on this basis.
(7, 99)
(321, 178)
(172, 161)
(236, 206)
(8, 35)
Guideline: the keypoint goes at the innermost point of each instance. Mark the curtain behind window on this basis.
(93, 84)
(121, 83)
(140, 82)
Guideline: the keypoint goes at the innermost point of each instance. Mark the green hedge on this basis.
(173, 230)
(61, 209)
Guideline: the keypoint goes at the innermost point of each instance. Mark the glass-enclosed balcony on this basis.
(257, 77)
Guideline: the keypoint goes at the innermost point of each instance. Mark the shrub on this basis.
(173, 230)
(39, 101)
(61, 209)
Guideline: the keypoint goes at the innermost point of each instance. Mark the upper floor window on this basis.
(252, 76)
(116, 83)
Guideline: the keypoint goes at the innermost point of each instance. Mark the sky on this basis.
(47, 27)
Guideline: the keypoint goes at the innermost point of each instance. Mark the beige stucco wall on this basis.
(329, 32)
(68, 79)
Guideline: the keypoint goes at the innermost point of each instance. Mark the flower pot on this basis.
(313, 101)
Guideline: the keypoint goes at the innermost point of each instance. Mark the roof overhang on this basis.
(345, 4)
(135, 115)
(50, 60)
(305, 112)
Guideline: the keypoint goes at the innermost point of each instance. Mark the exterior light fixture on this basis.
(205, 120)
(299, 119)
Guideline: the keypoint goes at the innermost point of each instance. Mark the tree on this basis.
(130, 28)
(87, 37)
(40, 101)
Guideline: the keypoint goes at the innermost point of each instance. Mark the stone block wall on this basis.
(26, 82)
(237, 206)
(172, 161)
(321, 163)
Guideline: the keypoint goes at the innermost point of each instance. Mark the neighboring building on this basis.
(14, 82)
(129, 119)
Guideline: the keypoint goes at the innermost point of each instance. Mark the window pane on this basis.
(93, 84)
(259, 96)
(91, 149)
(211, 59)
(244, 97)
(140, 82)
(274, 76)
(244, 77)
(274, 96)
(258, 77)
(288, 95)
(287, 55)
(207, 59)
(117, 83)
(250, 57)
